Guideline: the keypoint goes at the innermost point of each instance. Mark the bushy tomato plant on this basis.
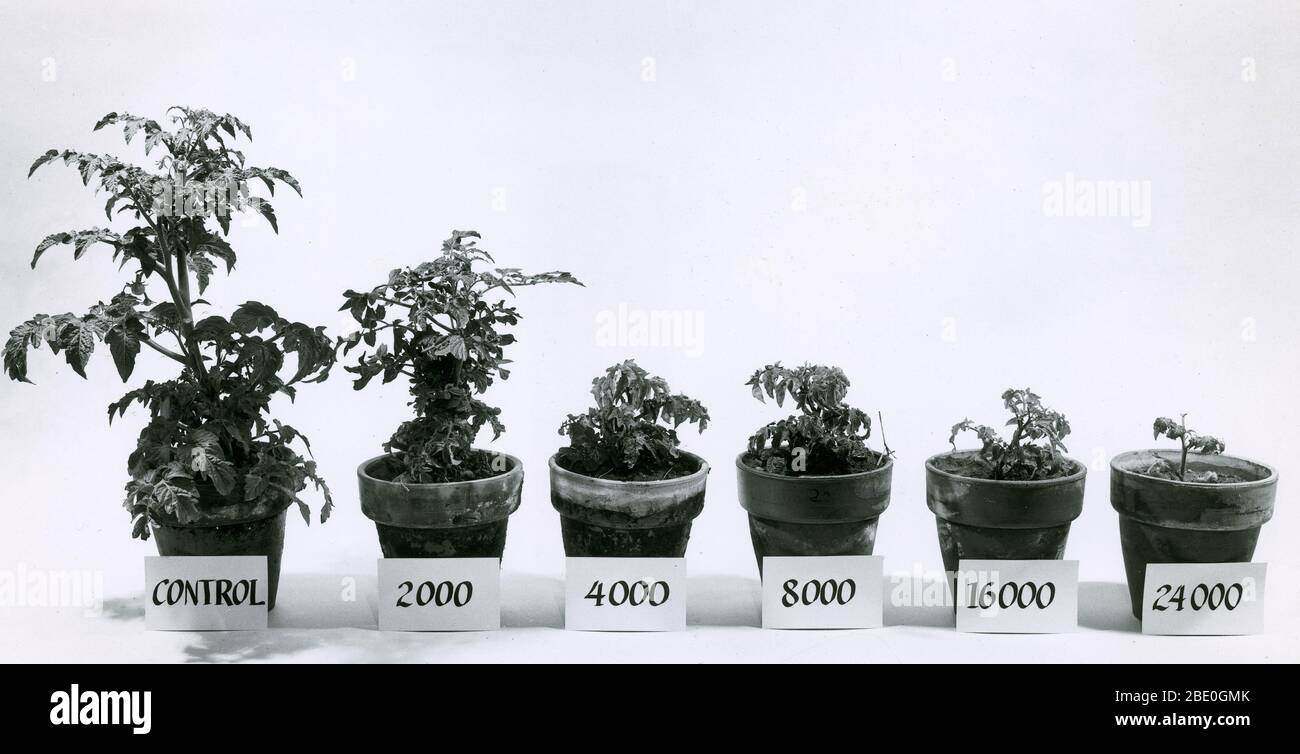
(209, 441)
(440, 325)
(1035, 449)
(826, 437)
(631, 432)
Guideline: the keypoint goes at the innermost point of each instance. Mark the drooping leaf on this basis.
(265, 209)
(202, 268)
(77, 339)
(124, 344)
(47, 157)
(53, 239)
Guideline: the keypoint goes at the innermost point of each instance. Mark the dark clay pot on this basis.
(812, 515)
(1167, 521)
(986, 519)
(447, 520)
(227, 526)
(606, 518)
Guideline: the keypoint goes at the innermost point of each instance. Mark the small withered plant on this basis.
(1035, 449)
(827, 436)
(209, 426)
(631, 433)
(440, 325)
(1190, 442)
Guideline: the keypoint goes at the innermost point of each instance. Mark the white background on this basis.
(850, 183)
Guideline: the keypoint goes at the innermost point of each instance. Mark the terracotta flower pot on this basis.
(611, 519)
(227, 526)
(443, 520)
(812, 515)
(987, 519)
(1168, 521)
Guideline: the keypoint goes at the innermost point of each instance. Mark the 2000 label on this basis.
(442, 594)
(1024, 595)
(634, 593)
(815, 591)
(1203, 596)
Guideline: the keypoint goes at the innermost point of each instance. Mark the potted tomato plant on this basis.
(440, 325)
(1011, 499)
(623, 486)
(1190, 505)
(212, 473)
(809, 482)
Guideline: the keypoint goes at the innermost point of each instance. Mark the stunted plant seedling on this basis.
(1190, 442)
(1035, 449)
(631, 433)
(826, 437)
(209, 426)
(440, 325)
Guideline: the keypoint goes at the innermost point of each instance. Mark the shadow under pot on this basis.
(995, 519)
(1168, 521)
(227, 526)
(443, 519)
(804, 516)
(608, 518)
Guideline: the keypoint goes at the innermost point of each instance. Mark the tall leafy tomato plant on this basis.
(209, 443)
(441, 326)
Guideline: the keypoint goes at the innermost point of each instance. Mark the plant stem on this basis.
(1011, 449)
(180, 294)
(1182, 467)
(164, 351)
(881, 420)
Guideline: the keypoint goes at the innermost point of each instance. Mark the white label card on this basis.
(439, 594)
(840, 591)
(186, 593)
(1017, 596)
(1209, 599)
(625, 594)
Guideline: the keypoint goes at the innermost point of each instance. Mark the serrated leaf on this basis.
(254, 487)
(265, 209)
(49, 155)
(54, 239)
(253, 316)
(124, 345)
(453, 345)
(202, 268)
(284, 177)
(77, 338)
(213, 328)
(153, 140)
(104, 121)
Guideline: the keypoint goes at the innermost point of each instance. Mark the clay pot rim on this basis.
(171, 522)
(1081, 471)
(619, 484)
(1271, 478)
(517, 467)
(810, 478)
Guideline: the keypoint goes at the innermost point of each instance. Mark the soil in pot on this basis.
(989, 519)
(629, 518)
(445, 520)
(812, 515)
(1164, 520)
(227, 528)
